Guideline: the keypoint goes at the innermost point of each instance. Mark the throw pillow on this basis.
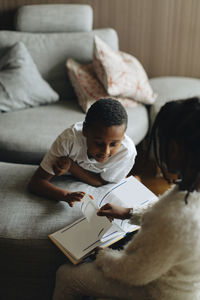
(121, 73)
(87, 87)
(21, 84)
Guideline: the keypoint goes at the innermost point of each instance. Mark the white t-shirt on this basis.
(72, 143)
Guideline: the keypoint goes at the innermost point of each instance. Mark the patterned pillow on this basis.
(121, 73)
(87, 87)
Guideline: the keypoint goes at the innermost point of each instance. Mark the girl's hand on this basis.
(71, 198)
(114, 211)
(62, 165)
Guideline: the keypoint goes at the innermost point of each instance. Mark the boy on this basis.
(96, 151)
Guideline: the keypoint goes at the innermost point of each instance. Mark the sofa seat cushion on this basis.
(28, 258)
(170, 88)
(29, 133)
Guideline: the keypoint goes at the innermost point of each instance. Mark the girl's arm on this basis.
(151, 253)
(112, 211)
(138, 212)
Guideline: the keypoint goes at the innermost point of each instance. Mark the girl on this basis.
(162, 261)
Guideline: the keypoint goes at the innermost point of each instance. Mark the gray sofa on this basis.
(50, 50)
(51, 33)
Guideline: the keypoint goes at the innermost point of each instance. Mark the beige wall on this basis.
(163, 34)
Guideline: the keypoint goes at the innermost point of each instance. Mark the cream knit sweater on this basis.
(164, 256)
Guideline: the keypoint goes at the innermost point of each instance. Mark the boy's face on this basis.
(103, 142)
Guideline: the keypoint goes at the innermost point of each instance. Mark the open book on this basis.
(80, 238)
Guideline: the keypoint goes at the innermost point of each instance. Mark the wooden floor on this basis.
(157, 184)
(149, 174)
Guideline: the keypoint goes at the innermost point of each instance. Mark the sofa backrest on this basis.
(51, 50)
(54, 18)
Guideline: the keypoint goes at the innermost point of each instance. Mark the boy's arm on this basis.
(40, 185)
(86, 176)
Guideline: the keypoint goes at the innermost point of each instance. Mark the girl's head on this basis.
(104, 128)
(176, 140)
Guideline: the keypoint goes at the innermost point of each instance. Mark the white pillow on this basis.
(121, 73)
(21, 84)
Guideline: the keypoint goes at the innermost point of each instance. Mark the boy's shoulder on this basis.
(128, 140)
(72, 131)
(128, 144)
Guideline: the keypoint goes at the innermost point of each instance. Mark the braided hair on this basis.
(179, 121)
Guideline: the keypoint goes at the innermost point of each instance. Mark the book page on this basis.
(88, 208)
(85, 234)
(128, 193)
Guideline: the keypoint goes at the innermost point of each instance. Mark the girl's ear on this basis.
(84, 130)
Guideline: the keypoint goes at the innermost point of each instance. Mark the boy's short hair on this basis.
(108, 111)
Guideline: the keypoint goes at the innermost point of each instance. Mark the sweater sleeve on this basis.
(151, 253)
(138, 213)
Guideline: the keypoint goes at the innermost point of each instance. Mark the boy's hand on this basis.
(62, 165)
(114, 211)
(72, 197)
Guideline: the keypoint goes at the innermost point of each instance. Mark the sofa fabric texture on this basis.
(170, 88)
(28, 258)
(54, 18)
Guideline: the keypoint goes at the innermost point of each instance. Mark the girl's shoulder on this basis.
(174, 212)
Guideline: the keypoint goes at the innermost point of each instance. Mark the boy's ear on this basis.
(84, 130)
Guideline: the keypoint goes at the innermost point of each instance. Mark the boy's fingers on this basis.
(82, 194)
(76, 198)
